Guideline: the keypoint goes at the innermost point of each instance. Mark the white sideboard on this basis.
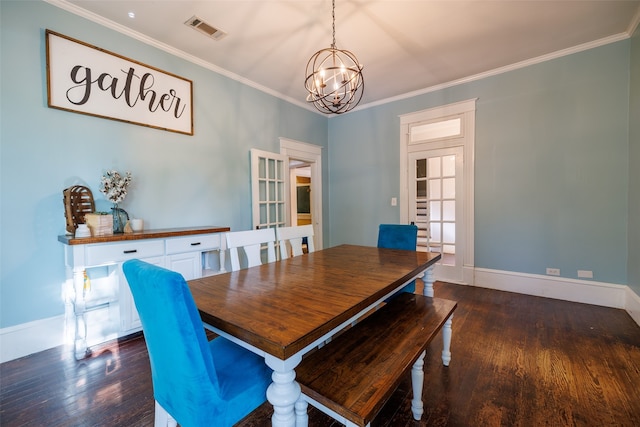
(185, 250)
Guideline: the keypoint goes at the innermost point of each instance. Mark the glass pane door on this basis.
(269, 178)
(435, 205)
(269, 190)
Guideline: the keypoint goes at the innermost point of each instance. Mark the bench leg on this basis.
(446, 342)
(302, 417)
(417, 382)
(162, 417)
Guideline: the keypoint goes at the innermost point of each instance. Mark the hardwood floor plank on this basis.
(517, 360)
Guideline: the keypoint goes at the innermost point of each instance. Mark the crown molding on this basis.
(100, 20)
(501, 70)
(63, 4)
(633, 25)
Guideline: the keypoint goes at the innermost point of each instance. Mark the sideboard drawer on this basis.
(198, 242)
(119, 252)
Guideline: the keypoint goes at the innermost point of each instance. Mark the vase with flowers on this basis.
(114, 186)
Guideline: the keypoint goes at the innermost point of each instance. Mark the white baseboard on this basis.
(632, 305)
(32, 337)
(584, 291)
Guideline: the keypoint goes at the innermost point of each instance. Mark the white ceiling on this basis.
(406, 46)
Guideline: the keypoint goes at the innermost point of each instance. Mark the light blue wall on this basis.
(551, 170)
(178, 180)
(634, 167)
(557, 155)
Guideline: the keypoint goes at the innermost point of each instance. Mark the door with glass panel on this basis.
(436, 207)
(269, 190)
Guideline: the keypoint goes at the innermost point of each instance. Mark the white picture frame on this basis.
(85, 79)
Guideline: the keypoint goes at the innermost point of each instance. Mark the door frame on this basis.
(466, 111)
(311, 154)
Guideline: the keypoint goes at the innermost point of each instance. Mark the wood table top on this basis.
(284, 306)
(145, 234)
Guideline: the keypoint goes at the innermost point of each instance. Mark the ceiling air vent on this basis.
(206, 29)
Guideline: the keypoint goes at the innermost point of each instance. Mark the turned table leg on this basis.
(428, 280)
(284, 392)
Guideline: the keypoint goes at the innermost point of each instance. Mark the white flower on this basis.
(114, 186)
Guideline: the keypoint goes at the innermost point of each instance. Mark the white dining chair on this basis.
(251, 243)
(292, 237)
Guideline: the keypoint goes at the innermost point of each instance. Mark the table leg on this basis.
(446, 341)
(284, 392)
(428, 280)
(79, 306)
(417, 383)
(222, 258)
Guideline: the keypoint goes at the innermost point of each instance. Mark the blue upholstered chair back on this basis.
(186, 382)
(399, 236)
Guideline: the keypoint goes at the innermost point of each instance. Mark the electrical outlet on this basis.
(585, 274)
(553, 271)
(394, 201)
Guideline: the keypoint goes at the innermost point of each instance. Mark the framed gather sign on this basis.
(89, 80)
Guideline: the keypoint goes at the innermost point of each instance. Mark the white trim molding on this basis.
(582, 291)
(632, 305)
(312, 154)
(32, 337)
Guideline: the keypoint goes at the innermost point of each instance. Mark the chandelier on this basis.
(334, 78)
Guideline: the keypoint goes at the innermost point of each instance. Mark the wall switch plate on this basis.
(553, 271)
(585, 274)
(394, 201)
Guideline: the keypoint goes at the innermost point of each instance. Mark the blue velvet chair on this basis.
(399, 236)
(195, 382)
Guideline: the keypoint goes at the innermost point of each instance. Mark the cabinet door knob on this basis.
(195, 244)
(131, 251)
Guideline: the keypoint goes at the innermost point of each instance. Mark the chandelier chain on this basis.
(333, 15)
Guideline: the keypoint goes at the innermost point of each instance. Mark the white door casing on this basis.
(311, 154)
(442, 128)
(270, 199)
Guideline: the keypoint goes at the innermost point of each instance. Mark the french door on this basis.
(269, 187)
(436, 180)
(437, 186)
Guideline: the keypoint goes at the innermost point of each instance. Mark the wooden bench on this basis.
(353, 376)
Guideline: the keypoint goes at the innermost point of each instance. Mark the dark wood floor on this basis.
(517, 361)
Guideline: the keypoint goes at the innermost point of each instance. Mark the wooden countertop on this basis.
(145, 234)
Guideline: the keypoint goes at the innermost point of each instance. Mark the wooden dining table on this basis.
(284, 309)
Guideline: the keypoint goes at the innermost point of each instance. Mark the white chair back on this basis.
(292, 237)
(251, 241)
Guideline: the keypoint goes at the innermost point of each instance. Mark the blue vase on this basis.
(120, 218)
